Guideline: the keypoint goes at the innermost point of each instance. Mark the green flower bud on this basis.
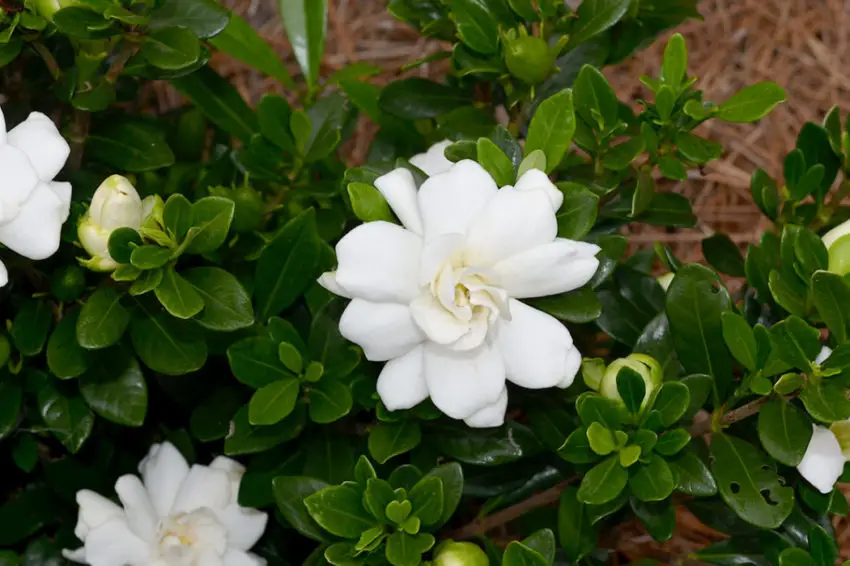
(450, 553)
(645, 366)
(250, 208)
(115, 204)
(665, 280)
(837, 242)
(529, 59)
(68, 283)
(46, 8)
(5, 350)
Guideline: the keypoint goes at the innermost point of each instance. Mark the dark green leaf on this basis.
(129, 146)
(329, 401)
(204, 18)
(220, 102)
(102, 320)
(171, 48)
(722, 253)
(695, 302)
(167, 345)
(227, 306)
(289, 493)
(691, 475)
(594, 17)
(552, 127)
(287, 265)
(417, 98)
(30, 327)
(784, 431)
(272, 403)
(255, 362)
(603, 482)
(578, 211)
(339, 510)
(306, 22)
(178, 296)
(241, 41)
(748, 482)
(831, 296)
(576, 534)
(740, 339)
(652, 481)
(68, 418)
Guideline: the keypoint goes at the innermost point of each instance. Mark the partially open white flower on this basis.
(434, 161)
(825, 352)
(823, 461)
(438, 298)
(837, 242)
(665, 280)
(33, 207)
(174, 516)
(115, 204)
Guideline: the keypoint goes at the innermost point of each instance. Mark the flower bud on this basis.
(115, 204)
(645, 366)
(837, 242)
(68, 283)
(450, 553)
(46, 8)
(665, 280)
(529, 59)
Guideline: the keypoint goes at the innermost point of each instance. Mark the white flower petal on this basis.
(510, 223)
(437, 253)
(401, 383)
(434, 161)
(44, 146)
(329, 282)
(35, 231)
(399, 190)
(142, 518)
(19, 181)
(841, 230)
(490, 416)
(63, 191)
(163, 471)
(4, 275)
(234, 471)
(463, 383)
(571, 368)
(439, 324)
(203, 487)
(825, 352)
(78, 555)
(448, 202)
(534, 346)
(114, 544)
(2, 127)
(823, 462)
(244, 526)
(95, 510)
(383, 330)
(234, 557)
(537, 180)
(379, 261)
(557, 267)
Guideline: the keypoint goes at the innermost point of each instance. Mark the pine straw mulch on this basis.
(800, 44)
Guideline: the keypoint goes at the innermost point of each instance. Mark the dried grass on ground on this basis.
(801, 44)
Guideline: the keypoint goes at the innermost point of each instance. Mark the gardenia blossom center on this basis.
(460, 302)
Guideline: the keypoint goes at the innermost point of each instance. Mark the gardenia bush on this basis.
(226, 346)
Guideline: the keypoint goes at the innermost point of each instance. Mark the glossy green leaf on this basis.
(651, 481)
(831, 296)
(594, 17)
(204, 18)
(784, 431)
(416, 98)
(165, 344)
(220, 102)
(306, 22)
(748, 482)
(339, 510)
(289, 494)
(171, 48)
(255, 362)
(723, 255)
(603, 482)
(740, 339)
(329, 401)
(391, 439)
(272, 403)
(178, 296)
(751, 103)
(287, 265)
(241, 41)
(68, 418)
(578, 211)
(102, 320)
(115, 388)
(227, 306)
(695, 302)
(129, 146)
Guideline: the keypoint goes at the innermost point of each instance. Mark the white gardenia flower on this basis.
(439, 298)
(33, 206)
(115, 204)
(434, 161)
(825, 352)
(174, 516)
(823, 462)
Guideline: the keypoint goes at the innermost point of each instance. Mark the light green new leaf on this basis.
(552, 127)
(751, 103)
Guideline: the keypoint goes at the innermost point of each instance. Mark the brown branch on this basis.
(732, 416)
(485, 524)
